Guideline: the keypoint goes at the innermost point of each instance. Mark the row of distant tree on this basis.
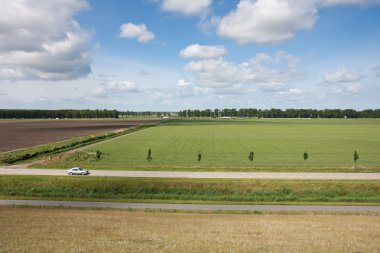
(144, 114)
(45, 114)
(278, 113)
(208, 113)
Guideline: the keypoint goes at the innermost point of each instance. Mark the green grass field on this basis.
(278, 145)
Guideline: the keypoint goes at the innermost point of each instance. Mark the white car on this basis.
(78, 171)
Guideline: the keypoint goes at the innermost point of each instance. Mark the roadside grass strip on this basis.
(191, 190)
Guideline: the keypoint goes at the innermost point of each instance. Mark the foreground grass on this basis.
(278, 145)
(191, 190)
(65, 230)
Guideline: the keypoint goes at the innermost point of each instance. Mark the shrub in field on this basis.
(82, 156)
(149, 156)
(98, 154)
(305, 156)
(356, 156)
(251, 156)
(199, 156)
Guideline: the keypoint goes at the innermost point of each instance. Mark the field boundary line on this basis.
(195, 207)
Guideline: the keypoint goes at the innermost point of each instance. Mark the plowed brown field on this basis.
(15, 134)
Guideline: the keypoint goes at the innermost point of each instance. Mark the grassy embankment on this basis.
(278, 145)
(191, 190)
(63, 230)
(22, 155)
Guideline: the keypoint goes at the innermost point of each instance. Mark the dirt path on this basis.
(193, 206)
(226, 175)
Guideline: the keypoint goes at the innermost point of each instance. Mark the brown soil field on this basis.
(15, 134)
(74, 230)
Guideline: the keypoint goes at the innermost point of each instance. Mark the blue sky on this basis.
(171, 55)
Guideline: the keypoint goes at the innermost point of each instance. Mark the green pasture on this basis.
(278, 145)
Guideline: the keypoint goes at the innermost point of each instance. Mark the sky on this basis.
(170, 55)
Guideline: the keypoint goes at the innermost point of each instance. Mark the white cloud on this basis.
(275, 21)
(296, 91)
(342, 75)
(267, 21)
(353, 88)
(183, 83)
(114, 88)
(186, 7)
(269, 73)
(122, 86)
(139, 32)
(204, 52)
(41, 40)
(344, 81)
(214, 72)
(347, 2)
(281, 68)
(208, 24)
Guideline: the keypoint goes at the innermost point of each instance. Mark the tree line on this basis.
(145, 114)
(45, 114)
(278, 113)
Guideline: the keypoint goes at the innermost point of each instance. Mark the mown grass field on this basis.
(191, 190)
(71, 230)
(278, 145)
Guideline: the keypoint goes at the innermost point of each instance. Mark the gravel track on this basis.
(20, 170)
(310, 208)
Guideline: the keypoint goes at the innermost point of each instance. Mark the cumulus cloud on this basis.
(114, 88)
(214, 72)
(188, 8)
(347, 2)
(208, 24)
(268, 73)
(267, 21)
(139, 32)
(122, 86)
(344, 80)
(295, 91)
(275, 21)
(199, 51)
(353, 88)
(183, 83)
(342, 75)
(42, 40)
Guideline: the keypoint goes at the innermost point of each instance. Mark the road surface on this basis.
(191, 206)
(173, 174)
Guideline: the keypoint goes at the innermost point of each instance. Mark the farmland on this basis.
(15, 134)
(48, 230)
(277, 144)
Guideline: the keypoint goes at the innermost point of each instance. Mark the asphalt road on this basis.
(191, 206)
(173, 174)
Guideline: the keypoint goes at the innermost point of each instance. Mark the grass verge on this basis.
(192, 190)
